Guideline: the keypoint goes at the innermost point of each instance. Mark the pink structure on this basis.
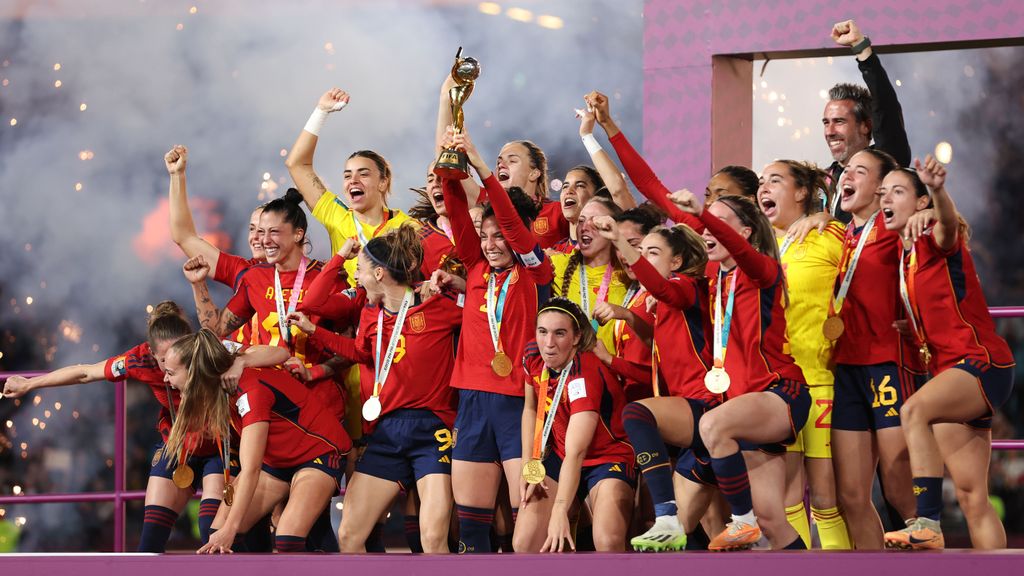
(698, 62)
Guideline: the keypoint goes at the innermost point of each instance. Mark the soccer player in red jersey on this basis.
(507, 278)
(873, 376)
(145, 363)
(767, 387)
(573, 398)
(436, 230)
(670, 264)
(226, 267)
(949, 419)
(405, 348)
(632, 322)
(291, 445)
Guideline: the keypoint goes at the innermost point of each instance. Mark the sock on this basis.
(322, 536)
(258, 538)
(157, 524)
(474, 528)
(515, 516)
(698, 539)
(412, 534)
(207, 511)
(289, 544)
(375, 541)
(831, 529)
(642, 429)
(796, 544)
(733, 482)
(665, 509)
(928, 491)
(797, 517)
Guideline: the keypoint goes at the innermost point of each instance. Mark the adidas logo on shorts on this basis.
(892, 412)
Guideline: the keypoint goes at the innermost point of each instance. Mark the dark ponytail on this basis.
(400, 252)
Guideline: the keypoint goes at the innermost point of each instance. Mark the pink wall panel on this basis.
(681, 36)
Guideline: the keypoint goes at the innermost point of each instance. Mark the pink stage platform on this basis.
(952, 562)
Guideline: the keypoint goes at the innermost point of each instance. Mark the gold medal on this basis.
(833, 328)
(533, 471)
(717, 380)
(501, 364)
(926, 354)
(183, 476)
(229, 494)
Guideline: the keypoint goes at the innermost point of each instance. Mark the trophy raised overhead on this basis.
(453, 164)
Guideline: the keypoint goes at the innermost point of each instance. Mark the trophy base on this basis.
(452, 165)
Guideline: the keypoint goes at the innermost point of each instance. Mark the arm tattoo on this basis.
(229, 322)
(318, 184)
(205, 308)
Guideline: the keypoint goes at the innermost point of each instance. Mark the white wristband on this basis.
(591, 144)
(316, 121)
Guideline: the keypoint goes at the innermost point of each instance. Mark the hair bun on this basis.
(293, 196)
(166, 308)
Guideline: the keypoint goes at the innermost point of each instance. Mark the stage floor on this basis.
(950, 562)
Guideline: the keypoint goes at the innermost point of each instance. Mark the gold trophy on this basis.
(453, 164)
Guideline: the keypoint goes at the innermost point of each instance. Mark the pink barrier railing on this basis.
(119, 496)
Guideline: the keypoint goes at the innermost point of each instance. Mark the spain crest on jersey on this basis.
(417, 322)
(541, 225)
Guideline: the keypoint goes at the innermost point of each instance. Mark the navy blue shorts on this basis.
(591, 475)
(407, 445)
(695, 466)
(488, 427)
(331, 463)
(202, 466)
(869, 398)
(995, 383)
(798, 400)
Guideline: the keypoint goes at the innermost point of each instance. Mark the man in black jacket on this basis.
(854, 115)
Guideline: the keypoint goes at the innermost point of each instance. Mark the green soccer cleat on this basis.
(665, 535)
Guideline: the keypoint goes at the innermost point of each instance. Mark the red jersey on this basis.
(755, 352)
(632, 363)
(254, 298)
(648, 184)
(550, 227)
(301, 427)
(564, 246)
(437, 247)
(680, 331)
(139, 364)
(424, 357)
(529, 277)
(950, 307)
(229, 271)
(590, 387)
(330, 297)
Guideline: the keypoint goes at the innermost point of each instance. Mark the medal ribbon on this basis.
(655, 357)
(495, 310)
(381, 370)
(907, 293)
(723, 323)
(446, 226)
(542, 429)
(602, 291)
(836, 303)
(789, 240)
(359, 227)
(293, 298)
(225, 452)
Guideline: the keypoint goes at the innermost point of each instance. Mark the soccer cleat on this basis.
(665, 535)
(920, 534)
(736, 536)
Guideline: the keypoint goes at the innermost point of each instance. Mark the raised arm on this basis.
(606, 167)
(887, 128)
(947, 220)
(645, 180)
(331, 280)
(353, 349)
(183, 229)
(300, 159)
